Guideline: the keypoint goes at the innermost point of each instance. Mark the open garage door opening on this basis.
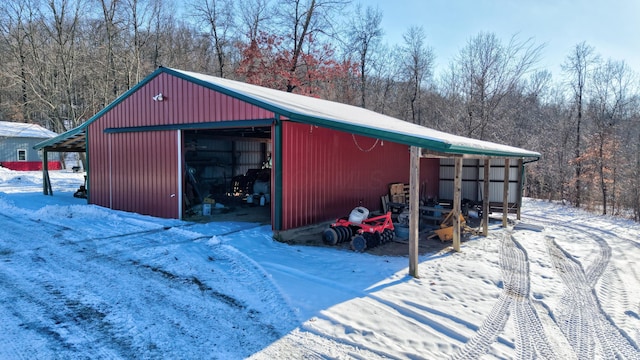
(227, 174)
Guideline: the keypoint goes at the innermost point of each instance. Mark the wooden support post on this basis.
(505, 194)
(46, 181)
(457, 198)
(414, 211)
(45, 189)
(485, 198)
(520, 187)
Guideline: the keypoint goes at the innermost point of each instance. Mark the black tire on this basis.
(358, 243)
(330, 236)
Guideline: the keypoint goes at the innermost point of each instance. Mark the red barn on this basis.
(179, 135)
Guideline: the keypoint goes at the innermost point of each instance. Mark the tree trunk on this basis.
(602, 175)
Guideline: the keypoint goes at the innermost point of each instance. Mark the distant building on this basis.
(16, 146)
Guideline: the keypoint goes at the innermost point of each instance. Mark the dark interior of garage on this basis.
(227, 174)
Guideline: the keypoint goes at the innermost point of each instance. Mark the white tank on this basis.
(358, 215)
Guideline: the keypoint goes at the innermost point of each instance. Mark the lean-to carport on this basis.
(278, 107)
(70, 141)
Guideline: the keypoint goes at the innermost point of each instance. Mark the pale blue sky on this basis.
(612, 27)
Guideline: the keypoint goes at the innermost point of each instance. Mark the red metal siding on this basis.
(326, 173)
(429, 177)
(138, 171)
(184, 103)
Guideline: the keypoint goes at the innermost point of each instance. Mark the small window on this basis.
(22, 155)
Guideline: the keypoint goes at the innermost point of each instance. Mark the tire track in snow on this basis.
(595, 329)
(45, 315)
(256, 276)
(580, 316)
(531, 340)
(227, 311)
(87, 299)
(13, 235)
(42, 324)
(612, 290)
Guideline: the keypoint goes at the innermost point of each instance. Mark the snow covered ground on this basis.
(80, 281)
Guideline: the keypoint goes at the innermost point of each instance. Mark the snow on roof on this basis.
(14, 129)
(324, 112)
(328, 114)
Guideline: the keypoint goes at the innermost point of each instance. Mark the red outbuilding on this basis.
(180, 141)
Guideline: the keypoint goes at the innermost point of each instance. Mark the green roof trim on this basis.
(194, 126)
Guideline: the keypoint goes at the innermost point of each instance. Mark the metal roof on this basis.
(324, 113)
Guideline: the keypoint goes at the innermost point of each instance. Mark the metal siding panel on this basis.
(9, 149)
(6, 150)
(471, 171)
(496, 173)
(513, 192)
(429, 176)
(495, 192)
(145, 173)
(446, 189)
(469, 190)
(447, 161)
(185, 103)
(326, 173)
(99, 166)
(249, 156)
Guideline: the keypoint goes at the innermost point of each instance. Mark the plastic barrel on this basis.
(358, 215)
(402, 231)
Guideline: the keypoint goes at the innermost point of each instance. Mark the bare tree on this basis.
(253, 13)
(383, 82)
(217, 16)
(16, 23)
(577, 68)
(145, 31)
(633, 200)
(489, 71)
(418, 61)
(61, 25)
(112, 30)
(364, 36)
(610, 96)
(298, 20)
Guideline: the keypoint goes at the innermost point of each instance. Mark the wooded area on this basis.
(65, 60)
